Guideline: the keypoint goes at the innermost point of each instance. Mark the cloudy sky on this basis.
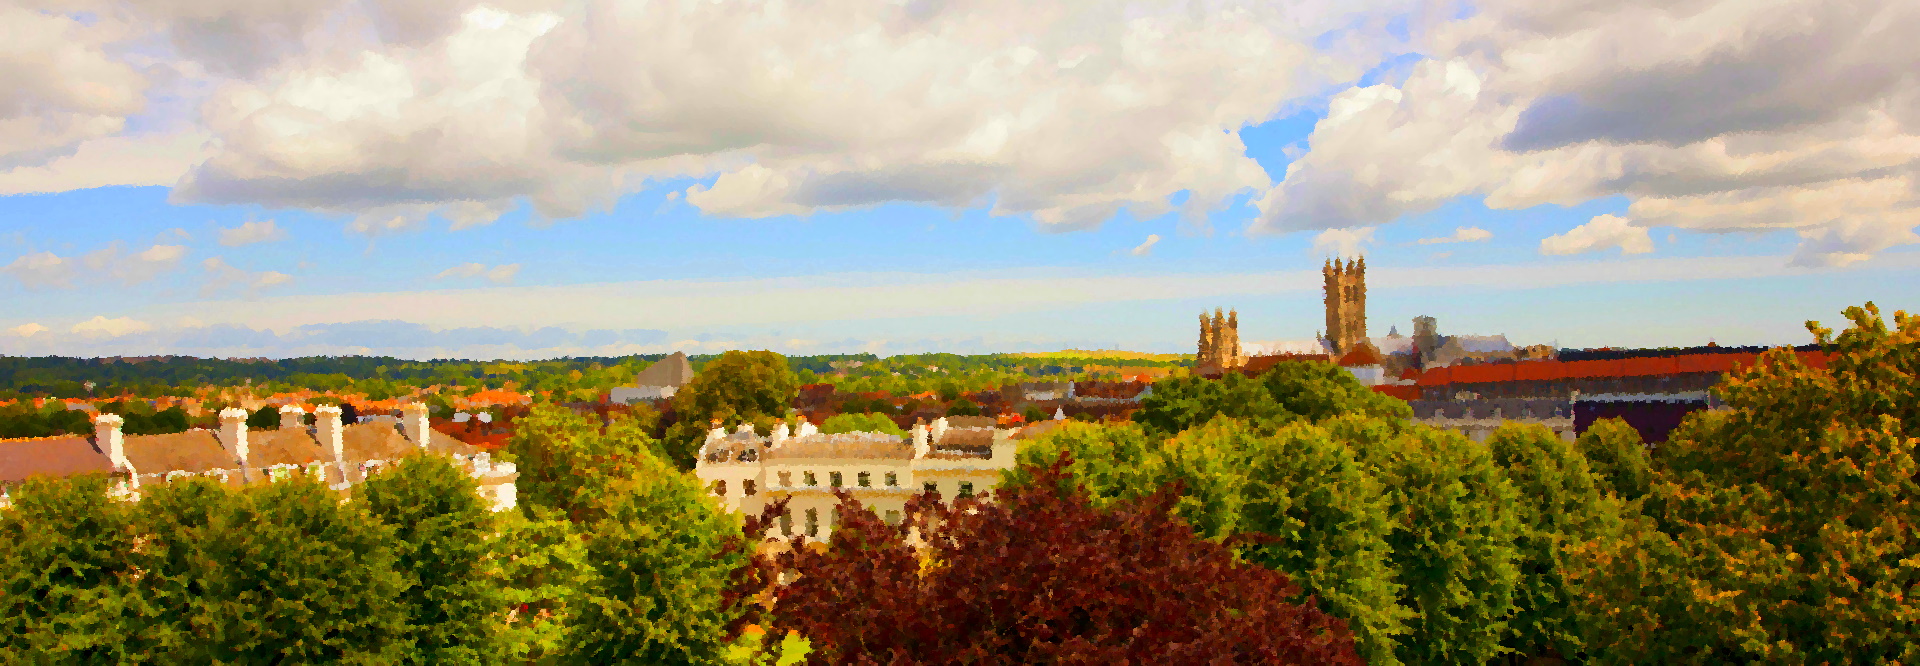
(534, 178)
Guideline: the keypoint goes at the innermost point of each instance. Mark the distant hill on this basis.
(1108, 353)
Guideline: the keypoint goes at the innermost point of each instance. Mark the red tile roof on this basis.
(1630, 367)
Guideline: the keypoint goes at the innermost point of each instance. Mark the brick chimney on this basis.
(233, 432)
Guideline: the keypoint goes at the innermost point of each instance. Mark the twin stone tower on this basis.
(1346, 303)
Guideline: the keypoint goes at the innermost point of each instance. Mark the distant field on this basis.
(1107, 353)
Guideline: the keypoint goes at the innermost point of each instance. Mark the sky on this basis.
(528, 179)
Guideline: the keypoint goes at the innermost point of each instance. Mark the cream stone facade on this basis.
(748, 471)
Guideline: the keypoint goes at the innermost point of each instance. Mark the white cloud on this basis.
(1342, 242)
(41, 269)
(1717, 115)
(99, 325)
(251, 232)
(222, 277)
(1142, 249)
(567, 106)
(1600, 233)
(110, 263)
(144, 159)
(501, 274)
(62, 88)
(1460, 235)
(465, 270)
(27, 330)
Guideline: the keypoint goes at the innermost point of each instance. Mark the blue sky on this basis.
(363, 258)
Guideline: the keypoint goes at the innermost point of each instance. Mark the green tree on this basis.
(663, 554)
(1185, 402)
(567, 461)
(264, 418)
(297, 576)
(737, 386)
(543, 561)
(442, 529)
(1456, 521)
(1783, 528)
(1296, 501)
(1618, 457)
(840, 423)
(66, 570)
(1560, 503)
(175, 520)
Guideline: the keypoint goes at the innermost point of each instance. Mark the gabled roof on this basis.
(282, 446)
(196, 451)
(53, 456)
(674, 370)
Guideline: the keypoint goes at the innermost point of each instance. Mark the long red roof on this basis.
(1629, 367)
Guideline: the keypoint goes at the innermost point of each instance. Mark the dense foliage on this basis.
(1127, 583)
(1785, 529)
(1289, 391)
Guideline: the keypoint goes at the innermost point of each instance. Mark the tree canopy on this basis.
(1128, 583)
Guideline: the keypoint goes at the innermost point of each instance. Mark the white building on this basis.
(748, 471)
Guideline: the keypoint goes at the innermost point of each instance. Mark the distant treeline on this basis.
(1663, 352)
(380, 377)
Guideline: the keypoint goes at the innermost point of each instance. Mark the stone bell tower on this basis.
(1346, 299)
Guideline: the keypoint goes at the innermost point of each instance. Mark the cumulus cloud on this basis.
(27, 330)
(1460, 235)
(567, 106)
(251, 232)
(110, 263)
(41, 269)
(101, 326)
(1342, 242)
(62, 86)
(1600, 233)
(1716, 116)
(222, 277)
(501, 274)
(1142, 249)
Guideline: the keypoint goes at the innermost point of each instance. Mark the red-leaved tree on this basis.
(1036, 576)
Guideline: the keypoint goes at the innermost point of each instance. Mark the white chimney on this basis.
(328, 430)
(233, 432)
(1004, 448)
(938, 431)
(292, 417)
(806, 428)
(1059, 414)
(743, 429)
(717, 433)
(413, 422)
(780, 433)
(920, 445)
(106, 435)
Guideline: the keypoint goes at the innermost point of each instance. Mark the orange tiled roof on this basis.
(1628, 367)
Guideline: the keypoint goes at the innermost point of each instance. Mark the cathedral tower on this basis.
(1219, 341)
(1346, 299)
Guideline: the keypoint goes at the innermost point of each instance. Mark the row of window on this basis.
(747, 487)
(813, 521)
